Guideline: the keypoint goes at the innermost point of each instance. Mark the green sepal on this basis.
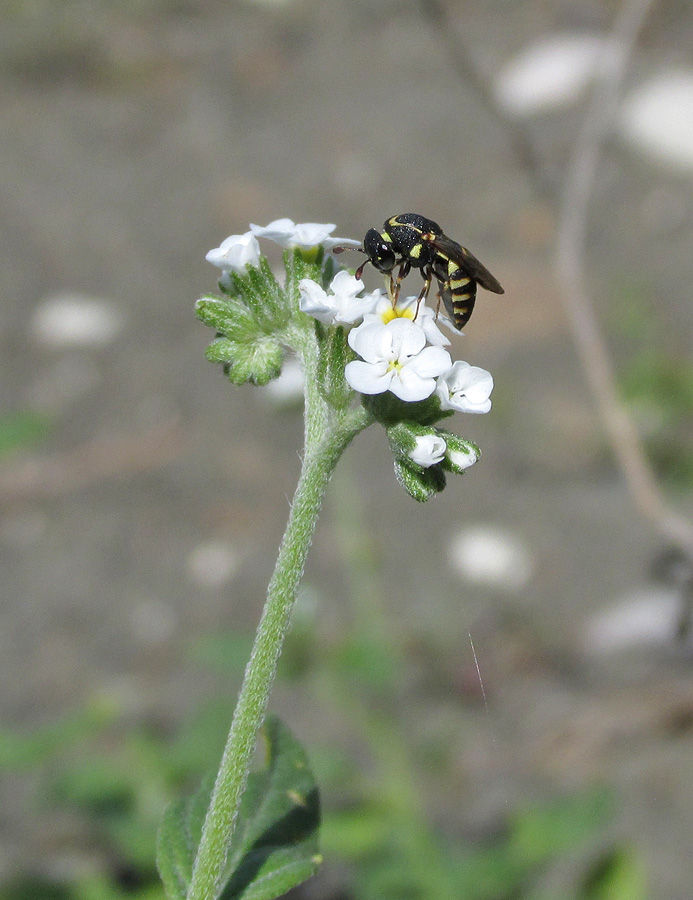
(335, 354)
(402, 438)
(229, 316)
(460, 453)
(275, 843)
(258, 361)
(329, 270)
(302, 264)
(389, 410)
(421, 484)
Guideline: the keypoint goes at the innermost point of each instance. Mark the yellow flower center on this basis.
(397, 312)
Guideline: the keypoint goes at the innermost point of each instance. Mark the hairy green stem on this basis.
(326, 438)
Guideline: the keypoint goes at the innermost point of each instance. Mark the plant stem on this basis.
(326, 439)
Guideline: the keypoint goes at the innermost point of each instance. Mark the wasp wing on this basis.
(469, 264)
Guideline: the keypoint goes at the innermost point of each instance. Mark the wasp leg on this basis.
(424, 291)
(396, 283)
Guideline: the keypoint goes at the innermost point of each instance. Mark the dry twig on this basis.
(573, 207)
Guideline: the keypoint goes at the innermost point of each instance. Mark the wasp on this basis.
(411, 241)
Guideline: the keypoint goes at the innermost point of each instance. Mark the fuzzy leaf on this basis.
(336, 354)
(258, 361)
(266, 298)
(229, 316)
(275, 844)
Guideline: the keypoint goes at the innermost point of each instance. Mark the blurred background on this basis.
(495, 688)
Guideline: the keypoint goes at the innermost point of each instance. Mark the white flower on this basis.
(235, 253)
(429, 450)
(465, 388)
(305, 235)
(341, 305)
(405, 308)
(395, 358)
(287, 233)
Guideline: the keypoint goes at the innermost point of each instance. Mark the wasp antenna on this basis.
(339, 249)
(359, 272)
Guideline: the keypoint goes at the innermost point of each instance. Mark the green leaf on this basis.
(229, 316)
(266, 298)
(275, 843)
(258, 361)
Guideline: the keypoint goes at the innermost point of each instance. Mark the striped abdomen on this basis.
(457, 290)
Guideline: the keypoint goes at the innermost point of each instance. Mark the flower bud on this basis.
(421, 484)
(460, 454)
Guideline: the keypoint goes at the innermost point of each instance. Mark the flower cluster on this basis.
(391, 353)
(397, 353)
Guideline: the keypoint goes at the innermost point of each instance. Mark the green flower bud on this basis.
(420, 484)
(460, 454)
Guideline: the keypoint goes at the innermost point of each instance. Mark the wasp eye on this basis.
(379, 251)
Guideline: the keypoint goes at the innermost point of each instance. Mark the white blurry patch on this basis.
(550, 74)
(287, 389)
(646, 618)
(213, 564)
(657, 118)
(491, 556)
(153, 621)
(75, 320)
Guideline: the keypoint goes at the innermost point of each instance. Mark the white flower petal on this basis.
(287, 233)
(411, 387)
(372, 341)
(431, 362)
(235, 253)
(429, 450)
(408, 338)
(281, 231)
(310, 234)
(368, 378)
(316, 302)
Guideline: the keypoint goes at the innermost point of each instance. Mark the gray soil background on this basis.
(134, 138)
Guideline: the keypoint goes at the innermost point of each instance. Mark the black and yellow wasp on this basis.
(410, 240)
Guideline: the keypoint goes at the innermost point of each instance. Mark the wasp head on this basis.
(379, 251)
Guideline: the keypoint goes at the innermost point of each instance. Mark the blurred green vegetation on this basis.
(117, 777)
(21, 430)
(656, 378)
